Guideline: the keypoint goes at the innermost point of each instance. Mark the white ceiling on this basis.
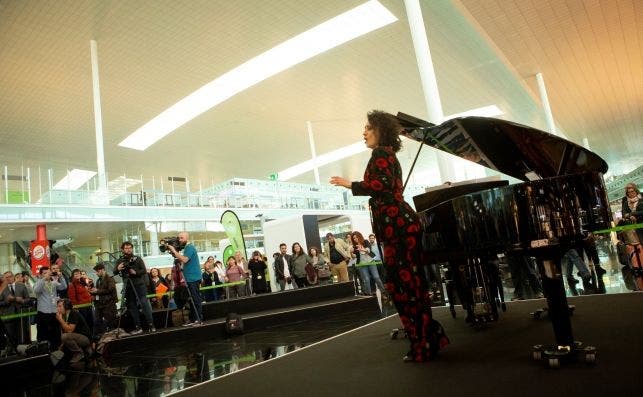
(153, 53)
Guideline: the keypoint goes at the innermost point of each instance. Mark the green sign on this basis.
(17, 197)
(274, 176)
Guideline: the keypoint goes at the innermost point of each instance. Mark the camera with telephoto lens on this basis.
(173, 241)
(126, 261)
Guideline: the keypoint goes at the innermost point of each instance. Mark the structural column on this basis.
(429, 81)
(545, 102)
(154, 237)
(98, 122)
(5, 264)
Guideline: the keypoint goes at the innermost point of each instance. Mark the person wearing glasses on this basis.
(632, 213)
(632, 204)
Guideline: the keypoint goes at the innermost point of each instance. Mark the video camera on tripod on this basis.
(173, 241)
(127, 261)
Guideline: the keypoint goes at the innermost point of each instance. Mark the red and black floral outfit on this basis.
(397, 227)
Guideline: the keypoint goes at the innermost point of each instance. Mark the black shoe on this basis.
(137, 331)
(571, 282)
(599, 270)
(588, 286)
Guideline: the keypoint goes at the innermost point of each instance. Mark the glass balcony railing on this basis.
(24, 186)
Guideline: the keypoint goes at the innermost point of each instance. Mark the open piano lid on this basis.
(513, 149)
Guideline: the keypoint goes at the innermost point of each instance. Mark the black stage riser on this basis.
(278, 300)
(251, 322)
(26, 368)
(315, 296)
(256, 303)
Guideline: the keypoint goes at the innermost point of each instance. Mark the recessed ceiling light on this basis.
(74, 179)
(352, 24)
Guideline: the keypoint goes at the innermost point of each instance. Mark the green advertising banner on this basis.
(228, 252)
(232, 228)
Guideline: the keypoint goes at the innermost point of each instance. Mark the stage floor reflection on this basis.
(177, 364)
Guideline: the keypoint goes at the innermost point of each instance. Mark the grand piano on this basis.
(561, 199)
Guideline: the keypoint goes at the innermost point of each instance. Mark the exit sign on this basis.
(274, 176)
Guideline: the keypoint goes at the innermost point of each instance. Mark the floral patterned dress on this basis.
(397, 227)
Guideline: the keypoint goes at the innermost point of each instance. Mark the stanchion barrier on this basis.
(620, 228)
(168, 293)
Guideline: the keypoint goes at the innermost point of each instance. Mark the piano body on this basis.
(561, 199)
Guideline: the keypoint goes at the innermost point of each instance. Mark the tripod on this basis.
(7, 345)
(179, 277)
(123, 307)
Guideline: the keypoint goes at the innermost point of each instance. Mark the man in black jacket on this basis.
(283, 267)
(12, 299)
(104, 293)
(132, 269)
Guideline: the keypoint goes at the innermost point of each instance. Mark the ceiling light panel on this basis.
(74, 179)
(352, 24)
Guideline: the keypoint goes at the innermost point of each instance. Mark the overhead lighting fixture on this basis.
(74, 179)
(352, 24)
(358, 147)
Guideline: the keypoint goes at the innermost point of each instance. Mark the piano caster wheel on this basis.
(452, 310)
(537, 314)
(571, 309)
(537, 352)
(590, 355)
(504, 306)
(393, 334)
(554, 362)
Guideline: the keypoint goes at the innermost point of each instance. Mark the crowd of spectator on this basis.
(73, 311)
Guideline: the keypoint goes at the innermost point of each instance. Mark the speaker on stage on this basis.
(234, 324)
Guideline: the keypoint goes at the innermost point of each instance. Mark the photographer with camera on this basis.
(78, 294)
(132, 270)
(191, 269)
(76, 334)
(47, 287)
(104, 300)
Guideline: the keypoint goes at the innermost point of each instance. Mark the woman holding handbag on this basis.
(299, 261)
(366, 265)
(324, 276)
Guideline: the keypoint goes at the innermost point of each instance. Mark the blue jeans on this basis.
(571, 258)
(367, 273)
(132, 304)
(196, 314)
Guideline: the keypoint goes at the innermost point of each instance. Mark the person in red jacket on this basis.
(78, 294)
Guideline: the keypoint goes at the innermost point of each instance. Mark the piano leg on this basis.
(566, 348)
(554, 290)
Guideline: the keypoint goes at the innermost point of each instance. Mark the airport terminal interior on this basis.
(225, 123)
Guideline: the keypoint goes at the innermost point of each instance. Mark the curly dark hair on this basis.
(386, 128)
